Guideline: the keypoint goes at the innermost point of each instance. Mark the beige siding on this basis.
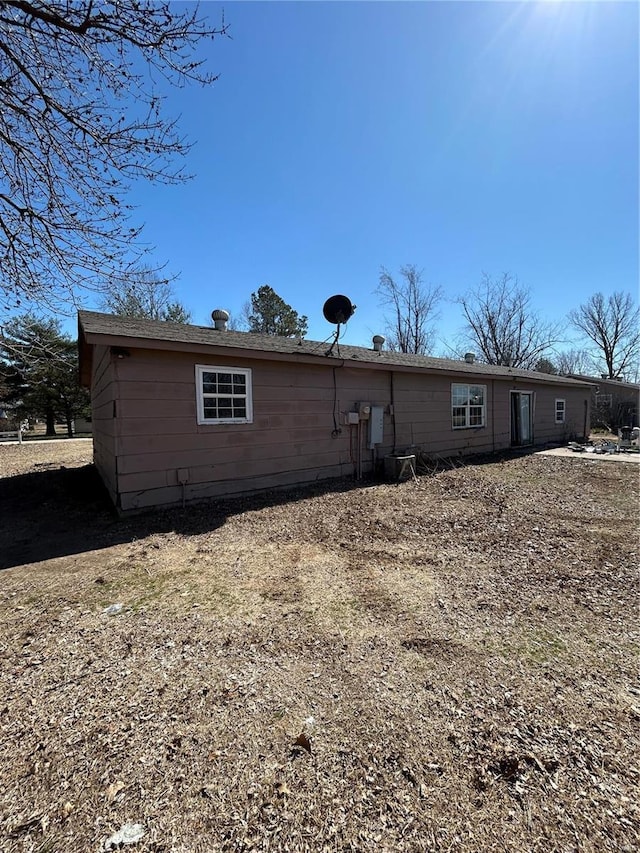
(289, 441)
(576, 415)
(103, 391)
(154, 440)
(423, 415)
(220, 489)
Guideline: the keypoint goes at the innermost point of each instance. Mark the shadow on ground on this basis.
(65, 511)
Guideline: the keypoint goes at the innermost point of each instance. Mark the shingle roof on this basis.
(597, 380)
(93, 323)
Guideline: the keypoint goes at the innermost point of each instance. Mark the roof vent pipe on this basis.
(220, 319)
(378, 342)
(469, 357)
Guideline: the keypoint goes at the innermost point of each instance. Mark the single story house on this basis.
(614, 403)
(182, 412)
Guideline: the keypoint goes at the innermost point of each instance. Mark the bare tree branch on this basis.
(574, 361)
(613, 326)
(503, 326)
(80, 119)
(146, 296)
(413, 310)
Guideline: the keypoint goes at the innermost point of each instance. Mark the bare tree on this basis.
(503, 326)
(413, 310)
(234, 323)
(146, 295)
(574, 361)
(612, 325)
(80, 119)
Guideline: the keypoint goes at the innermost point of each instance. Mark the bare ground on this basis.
(456, 659)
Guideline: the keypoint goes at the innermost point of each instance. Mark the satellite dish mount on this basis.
(337, 309)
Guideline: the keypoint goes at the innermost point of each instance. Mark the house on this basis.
(614, 403)
(181, 412)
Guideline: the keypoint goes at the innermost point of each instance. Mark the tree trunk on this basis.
(69, 420)
(51, 422)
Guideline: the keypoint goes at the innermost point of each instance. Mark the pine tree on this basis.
(40, 369)
(269, 314)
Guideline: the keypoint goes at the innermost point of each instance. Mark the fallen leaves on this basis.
(113, 790)
(467, 658)
(37, 821)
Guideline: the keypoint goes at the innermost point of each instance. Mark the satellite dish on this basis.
(338, 309)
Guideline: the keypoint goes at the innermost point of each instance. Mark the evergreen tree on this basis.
(545, 365)
(40, 369)
(269, 314)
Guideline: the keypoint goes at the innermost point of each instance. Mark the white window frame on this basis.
(604, 399)
(201, 396)
(468, 406)
(561, 413)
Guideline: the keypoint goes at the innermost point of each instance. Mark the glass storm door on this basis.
(521, 418)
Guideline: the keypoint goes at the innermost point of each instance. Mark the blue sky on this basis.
(462, 137)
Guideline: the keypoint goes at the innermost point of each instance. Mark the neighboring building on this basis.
(183, 412)
(614, 403)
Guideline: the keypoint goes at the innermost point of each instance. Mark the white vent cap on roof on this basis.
(220, 319)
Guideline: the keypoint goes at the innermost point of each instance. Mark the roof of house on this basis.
(597, 380)
(107, 328)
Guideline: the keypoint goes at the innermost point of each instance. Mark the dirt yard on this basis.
(448, 665)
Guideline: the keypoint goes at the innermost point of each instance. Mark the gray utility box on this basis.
(376, 426)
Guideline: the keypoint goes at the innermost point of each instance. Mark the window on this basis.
(223, 395)
(603, 399)
(560, 410)
(468, 405)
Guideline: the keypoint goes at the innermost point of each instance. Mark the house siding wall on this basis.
(291, 439)
(423, 414)
(103, 396)
(622, 406)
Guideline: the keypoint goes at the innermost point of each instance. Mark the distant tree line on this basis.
(145, 296)
(502, 328)
(500, 324)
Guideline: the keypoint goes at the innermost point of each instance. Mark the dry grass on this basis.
(461, 653)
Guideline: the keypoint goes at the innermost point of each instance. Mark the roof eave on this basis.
(86, 340)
